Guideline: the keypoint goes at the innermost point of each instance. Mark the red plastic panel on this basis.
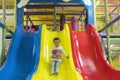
(88, 56)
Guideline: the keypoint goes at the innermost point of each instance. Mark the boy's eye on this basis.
(56, 42)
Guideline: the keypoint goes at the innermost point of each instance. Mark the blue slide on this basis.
(23, 55)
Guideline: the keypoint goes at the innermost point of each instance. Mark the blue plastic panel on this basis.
(88, 7)
(22, 56)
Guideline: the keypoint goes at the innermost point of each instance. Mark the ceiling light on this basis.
(97, 2)
(25, 9)
(66, 0)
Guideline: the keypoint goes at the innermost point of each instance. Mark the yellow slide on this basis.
(67, 70)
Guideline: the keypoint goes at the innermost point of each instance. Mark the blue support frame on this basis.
(89, 8)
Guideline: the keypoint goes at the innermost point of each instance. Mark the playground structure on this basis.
(67, 66)
(28, 57)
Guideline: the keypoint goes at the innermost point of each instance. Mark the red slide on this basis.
(88, 56)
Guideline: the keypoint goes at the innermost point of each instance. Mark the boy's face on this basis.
(57, 42)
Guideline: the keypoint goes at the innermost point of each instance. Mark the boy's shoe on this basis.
(52, 73)
(56, 73)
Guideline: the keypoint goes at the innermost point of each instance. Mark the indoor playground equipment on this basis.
(1, 45)
(29, 59)
(23, 54)
(67, 66)
(88, 56)
(2, 27)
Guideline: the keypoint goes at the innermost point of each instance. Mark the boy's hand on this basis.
(52, 56)
(67, 57)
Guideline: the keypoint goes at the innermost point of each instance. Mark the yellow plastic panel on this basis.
(67, 70)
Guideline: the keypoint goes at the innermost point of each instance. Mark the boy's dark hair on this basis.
(57, 38)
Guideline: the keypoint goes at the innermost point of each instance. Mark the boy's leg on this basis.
(52, 67)
(57, 66)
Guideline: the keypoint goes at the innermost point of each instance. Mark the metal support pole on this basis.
(94, 11)
(119, 14)
(79, 24)
(4, 10)
(2, 55)
(27, 22)
(83, 26)
(107, 30)
(15, 11)
(55, 27)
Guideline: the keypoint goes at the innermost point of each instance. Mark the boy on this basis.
(56, 55)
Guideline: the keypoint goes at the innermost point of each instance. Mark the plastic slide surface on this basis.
(88, 56)
(22, 56)
(67, 70)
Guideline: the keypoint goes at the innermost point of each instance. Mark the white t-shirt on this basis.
(61, 50)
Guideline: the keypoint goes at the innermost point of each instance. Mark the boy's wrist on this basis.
(67, 57)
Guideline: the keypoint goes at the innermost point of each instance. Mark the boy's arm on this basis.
(51, 53)
(65, 53)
